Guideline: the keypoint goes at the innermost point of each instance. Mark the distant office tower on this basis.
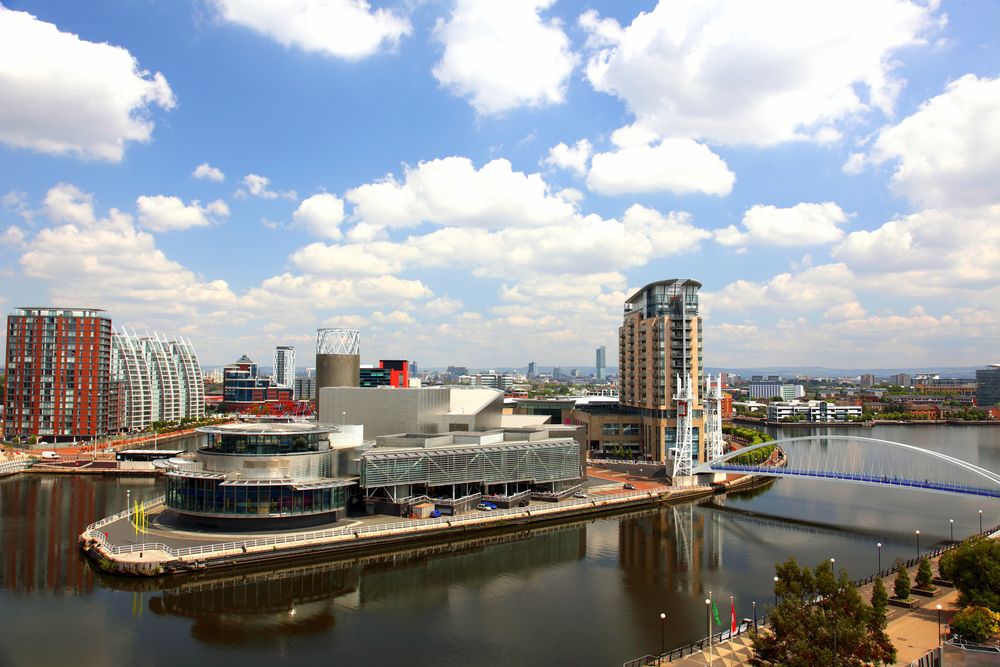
(556, 372)
(283, 369)
(58, 374)
(988, 386)
(305, 389)
(659, 341)
(532, 367)
(602, 363)
(389, 373)
(901, 379)
(413, 369)
(156, 380)
(867, 380)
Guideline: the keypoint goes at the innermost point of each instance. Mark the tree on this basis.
(924, 575)
(901, 587)
(880, 605)
(976, 624)
(817, 611)
(974, 567)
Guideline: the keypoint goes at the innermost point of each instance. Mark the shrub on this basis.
(975, 569)
(975, 624)
(901, 587)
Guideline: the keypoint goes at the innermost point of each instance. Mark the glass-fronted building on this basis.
(261, 470)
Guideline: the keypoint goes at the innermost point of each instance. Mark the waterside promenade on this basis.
(163, 545)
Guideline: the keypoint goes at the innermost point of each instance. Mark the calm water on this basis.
(586, 593)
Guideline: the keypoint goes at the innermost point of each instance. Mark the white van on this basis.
(49, 456)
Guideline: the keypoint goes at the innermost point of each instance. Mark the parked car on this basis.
(485, 507)
(629, 487)
(50, 456)
(579, 494)
(524, 503)
(435, 514)
(492, 506)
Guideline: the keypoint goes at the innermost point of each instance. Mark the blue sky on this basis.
(484, 183)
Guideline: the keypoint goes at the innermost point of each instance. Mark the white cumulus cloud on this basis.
(676, 165)
(763, 72)
(161, 213)
(321, 215)
(346, 29)
(207, 172)
(573, 157)
(802, 224)
(67, 96)
(948, 152)
(259, 186)
(504, 55)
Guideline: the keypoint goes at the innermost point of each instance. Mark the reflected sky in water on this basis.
(588, 592)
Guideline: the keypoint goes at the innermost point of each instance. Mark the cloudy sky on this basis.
(484, 183)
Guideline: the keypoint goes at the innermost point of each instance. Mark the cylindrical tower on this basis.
(338, 358)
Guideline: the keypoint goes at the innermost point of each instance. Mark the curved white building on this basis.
(157, 379)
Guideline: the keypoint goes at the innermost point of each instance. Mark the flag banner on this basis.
(732, 615)
(715, 613)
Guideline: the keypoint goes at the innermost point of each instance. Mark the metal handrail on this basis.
(346, 531)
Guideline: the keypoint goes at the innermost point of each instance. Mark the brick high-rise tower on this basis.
(58, 374)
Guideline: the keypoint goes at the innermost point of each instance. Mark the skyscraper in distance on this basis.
(283, 369)
(602, 363)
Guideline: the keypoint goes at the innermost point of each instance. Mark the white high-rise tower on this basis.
(283, 370)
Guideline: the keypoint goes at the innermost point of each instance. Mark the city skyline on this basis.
(452, 178)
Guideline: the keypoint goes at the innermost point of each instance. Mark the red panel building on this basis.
(58, 375)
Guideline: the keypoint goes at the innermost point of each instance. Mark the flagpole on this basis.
(708, 620)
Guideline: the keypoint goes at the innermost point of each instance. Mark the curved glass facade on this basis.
(264, 470)
(207, 496)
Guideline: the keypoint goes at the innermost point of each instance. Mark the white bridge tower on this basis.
(684, 443)
(714, 444)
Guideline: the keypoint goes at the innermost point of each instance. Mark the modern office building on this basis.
(389, 373)
(988, 386)
(283, 368)
(813, 411)
(304, 389)
(58, 364)
(155, 379)
(243, 388)
(660, 340)
(602, 363)
(901, 379)
(267, 470)
(532, 369)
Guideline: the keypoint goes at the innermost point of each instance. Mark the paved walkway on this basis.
(912, 631)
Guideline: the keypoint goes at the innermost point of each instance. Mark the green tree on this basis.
(901, 587)
(924, 575)
(975, 569)
(817, 611)
(976, 624)
(880, 605)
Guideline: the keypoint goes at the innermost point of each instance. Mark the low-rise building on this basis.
(812, 411)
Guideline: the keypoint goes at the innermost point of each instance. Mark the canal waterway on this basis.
(583, 593)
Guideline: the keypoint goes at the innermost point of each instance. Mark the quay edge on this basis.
(156, 562)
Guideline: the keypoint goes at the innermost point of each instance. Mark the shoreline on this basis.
(868, 424)
(155, 559)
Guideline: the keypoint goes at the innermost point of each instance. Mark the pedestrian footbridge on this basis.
(859, 460)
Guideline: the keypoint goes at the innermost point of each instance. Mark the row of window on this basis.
(209, 496)
(611, 428)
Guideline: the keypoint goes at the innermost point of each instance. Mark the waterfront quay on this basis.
(152, 540)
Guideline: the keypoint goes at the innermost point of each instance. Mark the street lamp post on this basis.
(128, 499)
(879, 546)
(663, 618)
(708, 623)
(939, 624)
(918, 545)
(755, 617)
(951, 524)
(980, 522)
(776, 590)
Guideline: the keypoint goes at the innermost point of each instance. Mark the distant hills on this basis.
(821, 371)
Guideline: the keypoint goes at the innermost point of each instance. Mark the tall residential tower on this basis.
(58, 381)
(283, 369)
(659, 342)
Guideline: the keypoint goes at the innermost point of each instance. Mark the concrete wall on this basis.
(337, 370)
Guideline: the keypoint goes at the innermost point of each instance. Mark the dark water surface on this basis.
(584, 593)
